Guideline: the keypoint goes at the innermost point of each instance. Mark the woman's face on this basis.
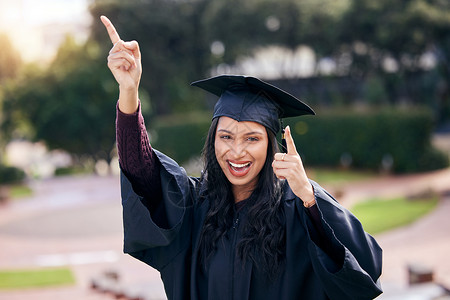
(241, 150)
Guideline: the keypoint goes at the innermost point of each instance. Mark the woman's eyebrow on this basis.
(224, 130)
(253, 133)
(246, 133)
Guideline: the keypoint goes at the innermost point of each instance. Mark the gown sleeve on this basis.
(157, 196)
(349, 266)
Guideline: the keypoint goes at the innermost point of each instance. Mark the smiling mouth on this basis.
(239, 169)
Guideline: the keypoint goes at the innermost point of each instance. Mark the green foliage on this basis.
(20, 191)
(359, 36)
(11, 174)
(70, 106)
(367, 139)
(338, 176)
(182, 139)
(378, 215)
(172, 44)
(10, 66)
(375, 91)
(398, 28)
(328, 139)
(74, 170)
(21, 279)
(10, 60)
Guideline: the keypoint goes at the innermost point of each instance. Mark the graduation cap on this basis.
(245, 98)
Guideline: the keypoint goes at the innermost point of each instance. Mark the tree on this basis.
(389, 39)
(70, 105)
(10, 60)
(172, 45)
(10, 65)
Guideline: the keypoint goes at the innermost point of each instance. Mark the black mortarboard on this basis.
(250, 99)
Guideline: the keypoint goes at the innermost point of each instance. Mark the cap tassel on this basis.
(283, 138)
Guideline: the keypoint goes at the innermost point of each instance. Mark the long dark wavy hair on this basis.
(263, 237)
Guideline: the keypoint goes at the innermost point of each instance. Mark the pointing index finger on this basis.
(291, 149)
(113, 35)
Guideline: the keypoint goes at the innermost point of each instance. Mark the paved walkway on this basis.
(426, 242)
(77, 222)
(73, 222)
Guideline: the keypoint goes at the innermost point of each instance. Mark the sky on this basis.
(37, 27)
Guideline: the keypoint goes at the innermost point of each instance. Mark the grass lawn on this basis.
(382, 215)
(21, 279)
(337, 176)
(19, 191)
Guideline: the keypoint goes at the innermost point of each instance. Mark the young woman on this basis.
(253, 226)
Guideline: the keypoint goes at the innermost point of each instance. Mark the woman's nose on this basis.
(238, 149)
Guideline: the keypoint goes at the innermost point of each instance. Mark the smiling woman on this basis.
(241, 150)
(253, 226)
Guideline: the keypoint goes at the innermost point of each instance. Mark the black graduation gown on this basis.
(309, 272)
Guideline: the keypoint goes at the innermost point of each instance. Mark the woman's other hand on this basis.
(124, 61)
(289, 166)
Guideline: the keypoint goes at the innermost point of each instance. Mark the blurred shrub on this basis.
(72, 170)
(391, 140)
(181, 137)
(11, 174)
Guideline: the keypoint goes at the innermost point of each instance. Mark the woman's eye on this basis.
(225, 137)
(252, 139)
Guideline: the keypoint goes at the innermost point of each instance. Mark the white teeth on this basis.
(239, 165)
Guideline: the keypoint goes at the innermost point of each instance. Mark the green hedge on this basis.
(181, 137)
(11, 174)
(401, 137)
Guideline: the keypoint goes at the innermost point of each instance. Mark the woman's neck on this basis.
(242, 192)
(240, 195)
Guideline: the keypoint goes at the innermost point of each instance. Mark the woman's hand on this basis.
(124, 61)
(289, 166)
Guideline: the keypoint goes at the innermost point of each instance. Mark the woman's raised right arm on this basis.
(160, 237)
(124, 61)
(136, 158)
